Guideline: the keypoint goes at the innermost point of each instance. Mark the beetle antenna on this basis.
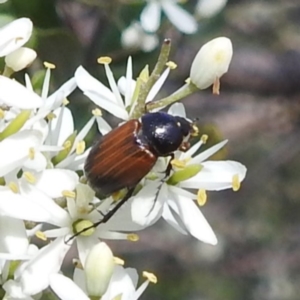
(106, 217)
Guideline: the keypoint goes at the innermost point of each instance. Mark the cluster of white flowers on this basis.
(41, 156)
(142, 34)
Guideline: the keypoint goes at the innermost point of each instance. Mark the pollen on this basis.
(150, 276)
(97, 112)
(51, 116)
(31, 153)
(178, 163)
(236, 184)
(201, 197)
(216, 86)
(65, 102)
(29, 177)
(49, 65)
(104, 60)
(171, 65)
(41, 235)
(204, 138)
(69, 194)
(2, 114)
(133, 237)
(119, 261)
(14, 187)
(195, 130)
(80, 147)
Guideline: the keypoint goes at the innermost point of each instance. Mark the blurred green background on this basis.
(258, 110)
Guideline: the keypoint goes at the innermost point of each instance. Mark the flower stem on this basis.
(183, 92)
(145, 88)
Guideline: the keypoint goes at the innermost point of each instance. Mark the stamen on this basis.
(14, 187)
(29, 177)
(195, 130)
(150, 276)
(80, 225)
(77, 264)
(51, 116)
(171, 65)
(97, 112)
(49, 65)
(216, 86)
(41, 235)
(119, 261)
(69, 194)
(204, 138)
(80, 147)
(133, 237)
(65, 102)
(104, 60)
(201, 197)
(236, 184)
(31, 153)
(178, 163)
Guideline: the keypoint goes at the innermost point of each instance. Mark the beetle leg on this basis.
(169, 166)
(107, 216)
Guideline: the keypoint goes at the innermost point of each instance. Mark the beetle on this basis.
(124, 156)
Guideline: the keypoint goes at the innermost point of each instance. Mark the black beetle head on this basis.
(165, 133)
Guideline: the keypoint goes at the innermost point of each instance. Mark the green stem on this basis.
(145, 88)
(183, 92)
(7, 72)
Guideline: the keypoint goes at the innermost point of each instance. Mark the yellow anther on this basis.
(204, 138)
(29, 177)
(171, 65)
(31, 153)
(118, 195)
(77, 264)
(150, 276)
(2, 114)
(195, 131)
(119, 261)
(133, 237)
(41, 235)
(14, 187)
(188, 80)
(69, 194)
(49, 65)
(80, 147)
(216, 86)
(67, 144)
(178, 163)
(51, 116)
(201, 197)
(236, 184)
(65, 102)
(97, 112)
(104, 60)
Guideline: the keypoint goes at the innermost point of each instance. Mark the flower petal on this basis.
(150, 16)
(216, 176)
(14, 94)
(179, 17)
(14, 35)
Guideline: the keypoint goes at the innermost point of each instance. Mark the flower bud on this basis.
(20, 58)
(211, 62)
(98, 269)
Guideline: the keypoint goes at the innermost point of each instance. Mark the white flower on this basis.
(211, 62)
(111, 99)
(134, 37)
(33, 276)
(20, 58)
(181, 19)
(123, 285)
(169, 198)
(99, 267)
(209, 8)
(14, 35)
